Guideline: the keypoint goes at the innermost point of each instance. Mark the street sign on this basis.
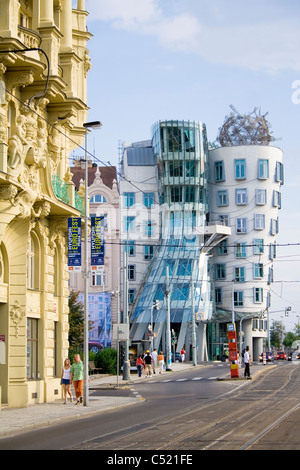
(74, 244)
(97, 243)
(231, 327)
(120, 332)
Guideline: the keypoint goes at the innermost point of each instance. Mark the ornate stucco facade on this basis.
(42, 110)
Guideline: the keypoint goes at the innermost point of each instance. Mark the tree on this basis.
(76, 321)
(277, 334)
(297, 330)
(289, 339)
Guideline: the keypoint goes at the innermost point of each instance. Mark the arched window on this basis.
(33, 263)
(99, 198)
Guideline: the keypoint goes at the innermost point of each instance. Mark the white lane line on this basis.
(197, 378)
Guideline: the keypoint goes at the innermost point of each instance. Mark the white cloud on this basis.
(271, 46)
(181, 32)
(125, 14)
(269, 42)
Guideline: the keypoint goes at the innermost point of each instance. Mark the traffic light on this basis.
(155, 304)
(287, 309)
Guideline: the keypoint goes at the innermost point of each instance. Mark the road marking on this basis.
(180, 380)
(197, 378)
(212, 378)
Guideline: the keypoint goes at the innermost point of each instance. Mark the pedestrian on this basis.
(182, 354)
(247, 362)
(148, 364)
(77, 376)
(237, 361)
(66, 380)
(161, 361)
(154, 359)
(140, 365)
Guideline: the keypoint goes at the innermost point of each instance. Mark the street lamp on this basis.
(86, 125)
(168, 325)
(154, 306)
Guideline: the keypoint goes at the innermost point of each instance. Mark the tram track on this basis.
(234, 421)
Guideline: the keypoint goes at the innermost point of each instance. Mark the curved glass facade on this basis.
(181, 155)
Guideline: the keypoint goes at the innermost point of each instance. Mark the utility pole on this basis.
(194, 345)
(87, 125)
(168, 325)
(126, 368)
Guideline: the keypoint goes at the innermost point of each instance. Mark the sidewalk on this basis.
(16, 420)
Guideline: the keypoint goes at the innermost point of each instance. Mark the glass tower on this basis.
(180, 264)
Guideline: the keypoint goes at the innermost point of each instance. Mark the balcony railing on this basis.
(28, 37)
(60, 189)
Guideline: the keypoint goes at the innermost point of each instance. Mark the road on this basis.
(188, 411)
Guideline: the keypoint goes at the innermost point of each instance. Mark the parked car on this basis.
(280, 355)
(269, 357)
(95, 347)
(293, 355)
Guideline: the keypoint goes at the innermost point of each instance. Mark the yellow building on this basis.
(42, 109)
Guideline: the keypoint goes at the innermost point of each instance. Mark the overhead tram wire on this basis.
(109, 165)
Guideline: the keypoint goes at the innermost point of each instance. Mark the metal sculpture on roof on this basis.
(248, 129)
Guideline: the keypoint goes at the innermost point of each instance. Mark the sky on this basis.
(191, 59)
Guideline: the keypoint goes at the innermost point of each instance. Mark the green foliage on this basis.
(76, 322)
(76, 325)
(106, 359)
(277, 332)
(289, 339)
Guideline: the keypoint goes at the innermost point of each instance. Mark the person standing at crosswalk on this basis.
(154, 360)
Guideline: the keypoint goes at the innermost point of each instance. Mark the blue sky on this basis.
(192, 59)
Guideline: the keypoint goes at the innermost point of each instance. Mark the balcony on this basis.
(28, 37)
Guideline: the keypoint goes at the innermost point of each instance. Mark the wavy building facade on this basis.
(177, 275)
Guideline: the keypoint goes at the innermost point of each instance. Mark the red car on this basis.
(280, 355)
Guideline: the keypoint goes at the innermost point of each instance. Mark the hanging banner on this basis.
(74, 244)
(97, 243)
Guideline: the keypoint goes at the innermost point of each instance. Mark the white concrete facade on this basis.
(139, 216)
(245, 194)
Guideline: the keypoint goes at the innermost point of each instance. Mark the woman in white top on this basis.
(66, 380)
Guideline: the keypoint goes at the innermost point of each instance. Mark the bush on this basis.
(107, 361)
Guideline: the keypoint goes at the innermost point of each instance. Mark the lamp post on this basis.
(168, 325)
(126, 364)
(194, 342)
(86, 125)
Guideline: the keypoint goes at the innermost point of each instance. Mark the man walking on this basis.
(247, 362)
(148, 364)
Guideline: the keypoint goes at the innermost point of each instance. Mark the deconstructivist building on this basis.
(42, 109)
(104, 286)
(168, 208)
(246, 175)
(199, 226)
